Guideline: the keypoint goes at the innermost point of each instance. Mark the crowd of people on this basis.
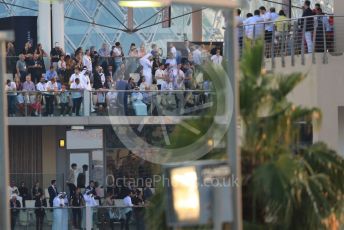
(262, 23)
(34, 88)
(79, 196)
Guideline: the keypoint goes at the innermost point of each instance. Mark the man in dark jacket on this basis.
(307, 25)
(52, 192)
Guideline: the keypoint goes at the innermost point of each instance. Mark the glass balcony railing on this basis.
(68, 217)
(110, 103)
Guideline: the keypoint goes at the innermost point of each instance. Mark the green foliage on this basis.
(286, 186)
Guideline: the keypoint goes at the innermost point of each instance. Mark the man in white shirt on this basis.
(77, 88)
(117, 53)
(217, 58)
(41, 85)
(253, 26)
(197, 56)
(173, 50)
(167, 85)
(127, 210)
(10, 90)
(160, 75)
(13, 191)
(51, 88)
(75, 75)
(87, 61)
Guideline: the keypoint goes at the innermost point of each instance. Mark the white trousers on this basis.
(309, 41)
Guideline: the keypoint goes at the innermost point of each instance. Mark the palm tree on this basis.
(285, 185)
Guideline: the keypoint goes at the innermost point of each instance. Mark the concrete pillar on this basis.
(44, 25)
(197, 25)
(130, 16)
(49, 146)
(338, 7)
(58, 23)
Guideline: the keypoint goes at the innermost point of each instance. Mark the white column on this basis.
(44, 28)
(338, 7)
(58, 23)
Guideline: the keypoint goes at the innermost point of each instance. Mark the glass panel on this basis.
(98, 170)
(82, 160)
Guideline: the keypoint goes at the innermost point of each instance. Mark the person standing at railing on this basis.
(90, 201)
(65, 101)
(269, 18)
(14, 205)
(77, 88)
(51, 88)
(239, 23)
(307, 25)
(60, 220)
(77, 201)
(30, 97)
(127, 209)
(52, 189)
(139, 212)
(160, 75)
(320, 38)
(21, 67)
(254, 28)
(10, 89)
(217, 58)
(40, 204)
(117, 54)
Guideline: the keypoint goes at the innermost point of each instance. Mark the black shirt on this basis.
(309, 21)
(55, 52)
(77, 200)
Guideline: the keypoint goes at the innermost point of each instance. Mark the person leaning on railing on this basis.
(40, 204)
(307, 24)
(10, 89)
(14, 205)
(51, 88)
(77, 87)
(65, 101)
(77, 201)
(21, 67)
(254, 27)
